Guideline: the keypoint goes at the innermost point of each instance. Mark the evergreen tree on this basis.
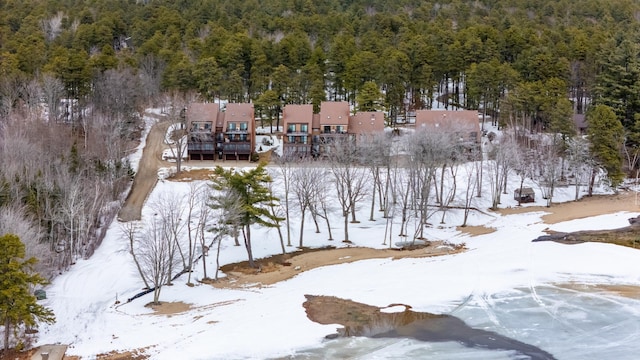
(618, 83)
(369, 98)
(17, 304)
(606, 133)
(255, 198)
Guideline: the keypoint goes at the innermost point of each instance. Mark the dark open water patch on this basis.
(360, 319)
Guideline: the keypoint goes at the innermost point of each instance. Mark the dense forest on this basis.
(75, 75)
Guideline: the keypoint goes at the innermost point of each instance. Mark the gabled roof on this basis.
(242, 112)
(449, 120)
(203, 112)
(366, 122)
(294, 113)
(334, 113)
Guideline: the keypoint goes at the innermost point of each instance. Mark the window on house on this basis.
(326, 129)
(340, 129)
(304, 128)
(303, 139)
(244, 126)
(231, 127)
(291, 139)
(291, 128)
(243, 137)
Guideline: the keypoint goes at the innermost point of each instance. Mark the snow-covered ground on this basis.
(503, 283)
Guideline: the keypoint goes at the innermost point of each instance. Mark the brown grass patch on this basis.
(475, 230)
(124, 355)
(169, 308)
(191, 175)
(13, 354)
(282, 267)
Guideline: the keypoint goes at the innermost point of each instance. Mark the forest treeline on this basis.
(76, 75)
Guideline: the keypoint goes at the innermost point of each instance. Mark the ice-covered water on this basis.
(570, 324)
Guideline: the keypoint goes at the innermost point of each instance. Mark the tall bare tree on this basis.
(170, 211)
(350, 180)
(305, 187)
(155, 256)
(177, 133)
(132, 232)
(376, 150)
(286, 169)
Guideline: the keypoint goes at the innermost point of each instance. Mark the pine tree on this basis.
(370, 97)
(606, 135)
(254, 196)
(17, 304)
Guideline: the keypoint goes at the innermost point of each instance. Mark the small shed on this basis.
(524, 195)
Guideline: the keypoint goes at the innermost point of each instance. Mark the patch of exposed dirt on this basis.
(12, 354)
(282, 267)
(169, 308)
(360, 319)
(192, 175)
(475, 230)
(628, 236)
(137, 354)
(583, 208)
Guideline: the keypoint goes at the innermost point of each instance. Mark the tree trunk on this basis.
(346, 226)
(7, 332)
(218, 257)
(286, 210)
(156, 295)
(314, 217)
(247, 245)
(373, 202)
(592, 181)
(236, 235)
(301, 227)
(326, 219)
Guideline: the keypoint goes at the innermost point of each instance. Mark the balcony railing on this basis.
(205, 147)
(237, 131)
(237, 148)
(297, 133)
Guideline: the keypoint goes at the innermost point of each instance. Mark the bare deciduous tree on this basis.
(286, 168)
(500, 164)
(376, 150)
(350, 180)
(155, 256)
(53, 92)
(170, 212)
(132, 232)
(177, 133)
(305, 187)
(471, 177)
(579, 161)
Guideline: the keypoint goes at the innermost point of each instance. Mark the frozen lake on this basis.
(568, 323)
